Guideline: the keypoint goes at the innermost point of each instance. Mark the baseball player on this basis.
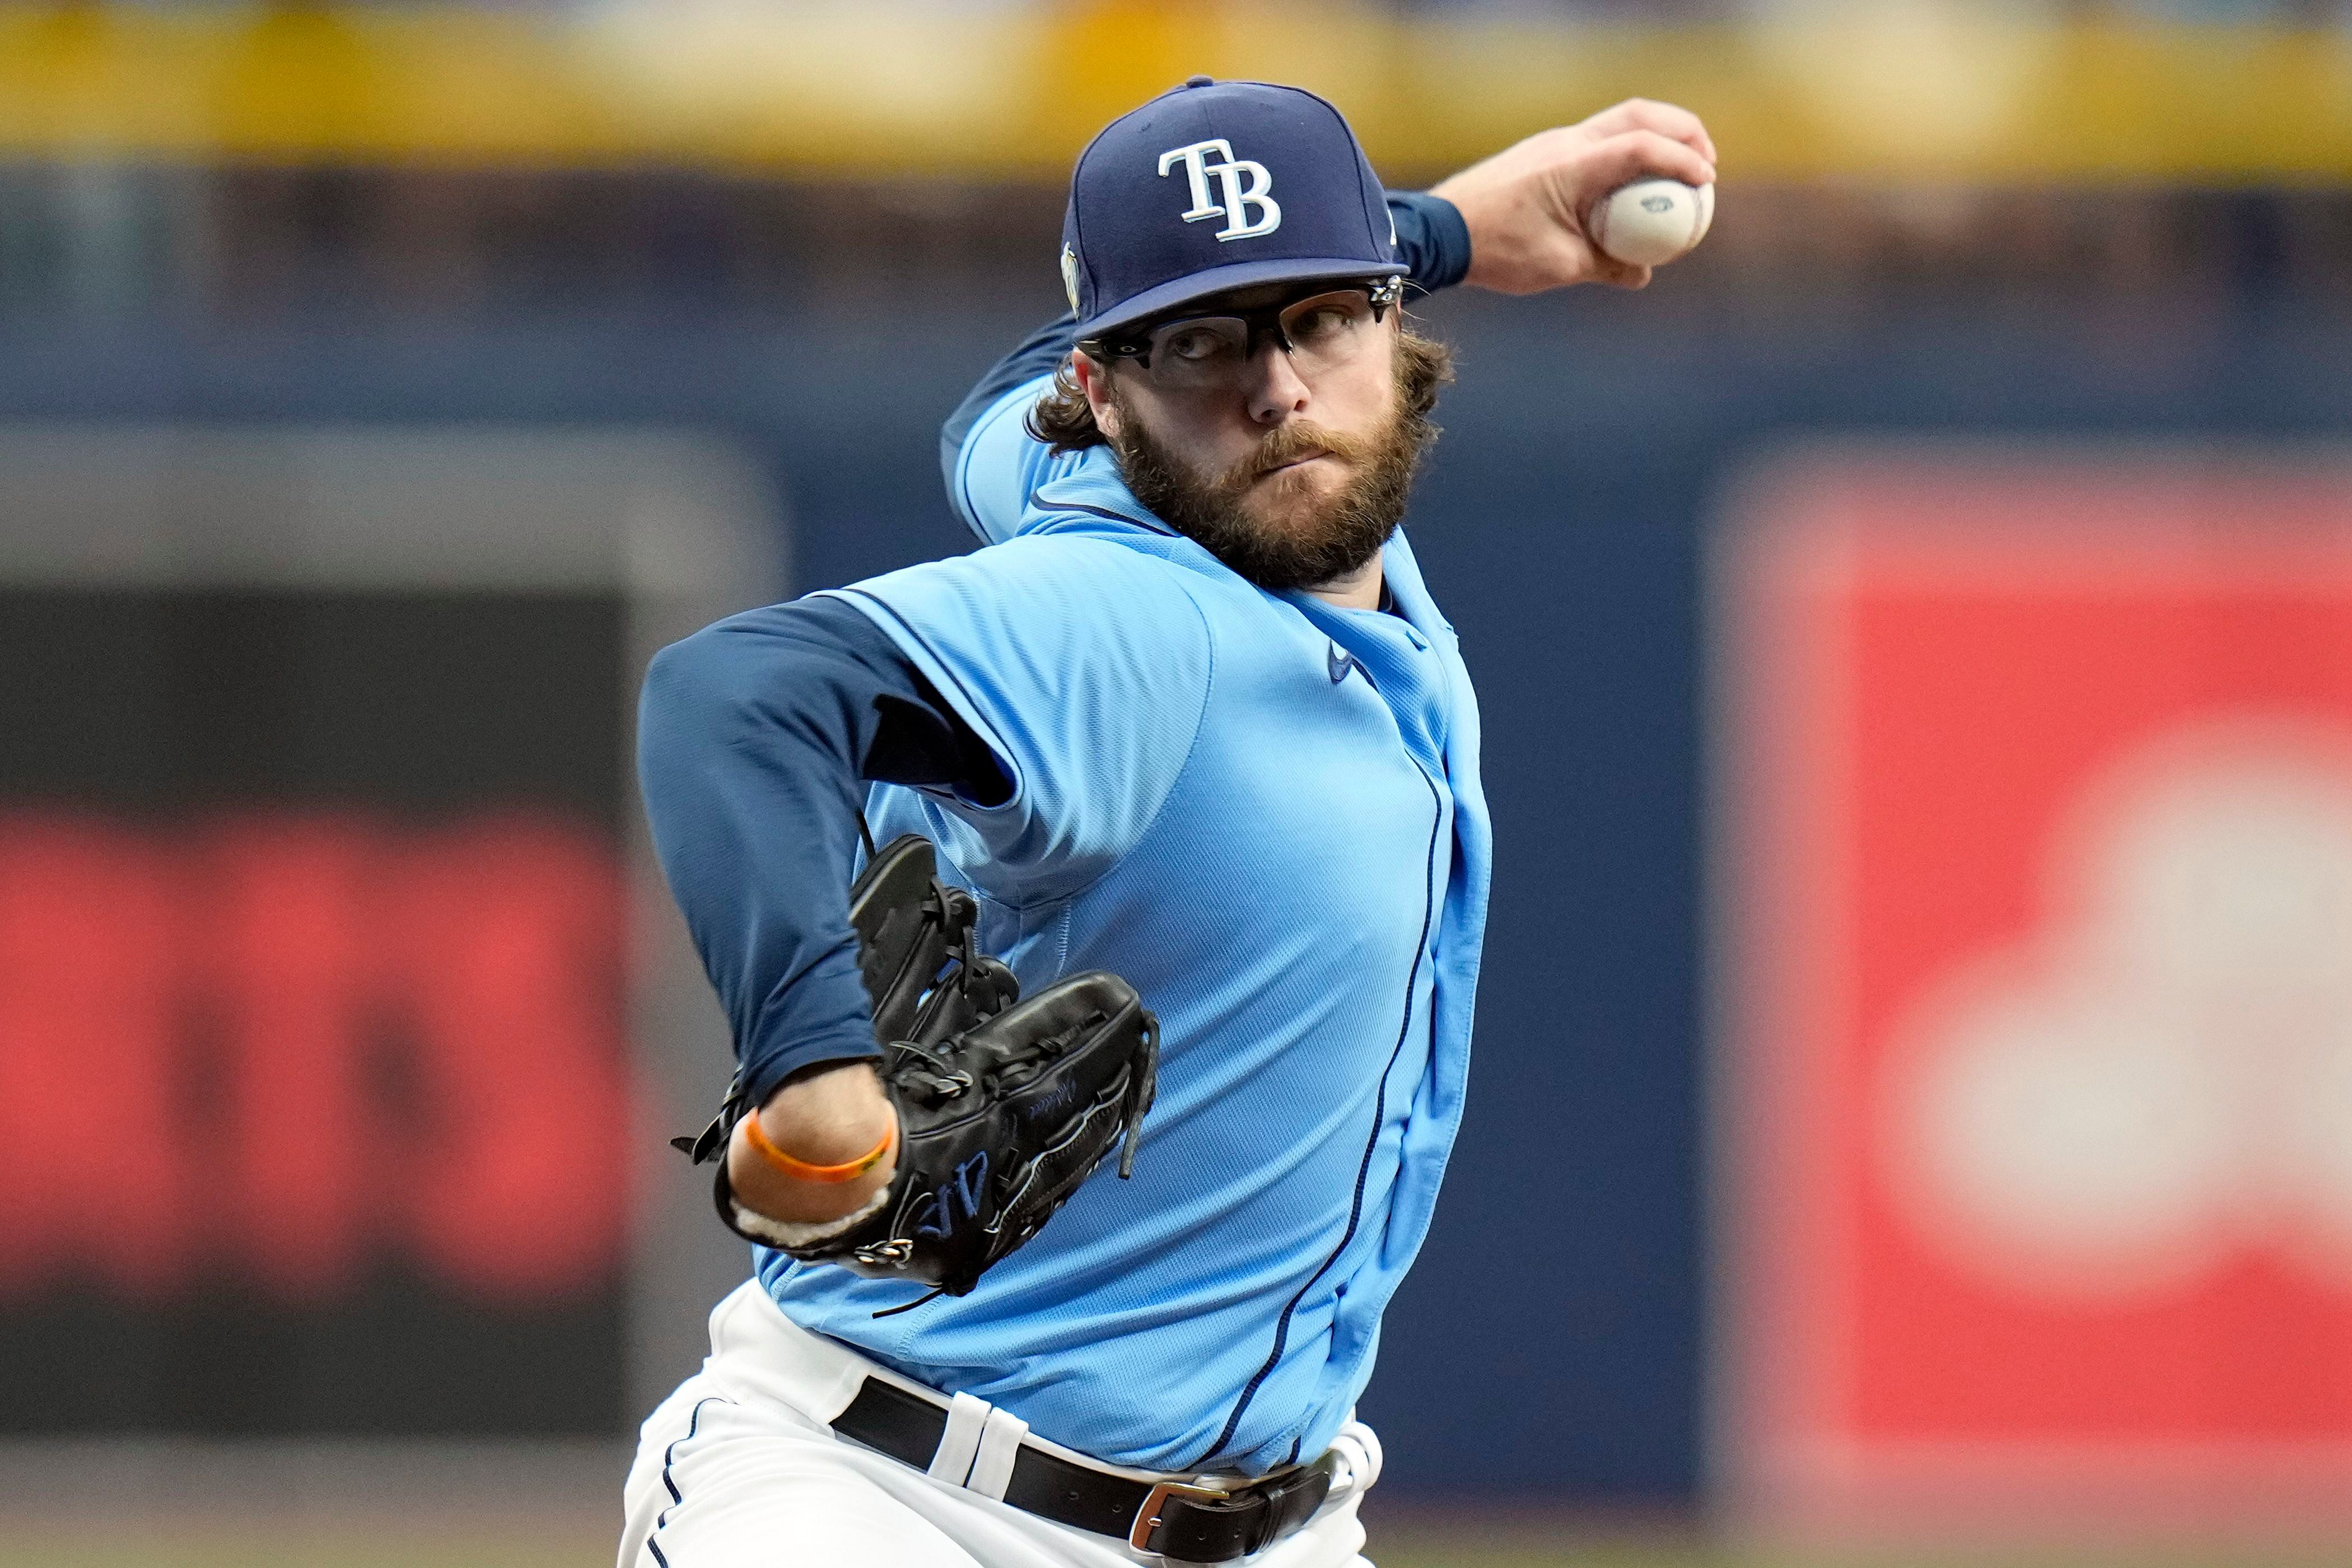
(1150, 832)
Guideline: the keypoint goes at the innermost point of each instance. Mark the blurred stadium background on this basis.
(1913, 1118)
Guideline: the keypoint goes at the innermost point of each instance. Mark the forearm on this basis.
(756, 741)
(746, 749)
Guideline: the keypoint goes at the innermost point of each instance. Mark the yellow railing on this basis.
(1915, 90)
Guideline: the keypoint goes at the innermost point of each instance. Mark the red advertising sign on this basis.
(277, 1046)
(2038, 992)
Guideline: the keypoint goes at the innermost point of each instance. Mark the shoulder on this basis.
(1074, 623)
(1008, 411)
(999, 463)
(1044, 583)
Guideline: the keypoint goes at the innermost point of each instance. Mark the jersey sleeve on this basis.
(1085, 667)
(1000, 465)
(1024, 370)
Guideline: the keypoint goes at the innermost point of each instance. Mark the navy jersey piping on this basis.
(670, 1456)
(1379, 1119)
(1037, 501)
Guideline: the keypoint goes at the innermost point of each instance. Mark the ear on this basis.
(1093, 376)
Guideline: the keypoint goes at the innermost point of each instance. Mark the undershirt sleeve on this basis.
(755, 738)
(1432, 240)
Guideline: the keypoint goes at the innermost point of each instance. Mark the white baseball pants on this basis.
(738, 1469)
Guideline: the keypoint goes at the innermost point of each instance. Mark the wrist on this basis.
(828, 1115)
(822, 1147)
(824, 1174)
(1432, 237)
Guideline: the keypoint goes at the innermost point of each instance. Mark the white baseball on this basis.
(1651, 222)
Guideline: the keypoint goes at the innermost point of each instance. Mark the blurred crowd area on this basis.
(1977, 93)
(261, 247)
(2293, 12)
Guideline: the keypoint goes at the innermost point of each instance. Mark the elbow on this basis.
(684, 701)
(753, 686)
(674, 680)
(677, 673)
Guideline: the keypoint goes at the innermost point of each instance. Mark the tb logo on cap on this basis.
(1239, 197)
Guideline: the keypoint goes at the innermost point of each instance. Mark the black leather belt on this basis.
(1175, 1519)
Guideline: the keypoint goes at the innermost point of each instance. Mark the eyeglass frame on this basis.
(1264, 322)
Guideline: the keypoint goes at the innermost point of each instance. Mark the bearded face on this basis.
(1275, 516)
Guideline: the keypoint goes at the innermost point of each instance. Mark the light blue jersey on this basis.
(1265, 813)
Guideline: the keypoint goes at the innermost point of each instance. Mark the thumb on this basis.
(1607, 269)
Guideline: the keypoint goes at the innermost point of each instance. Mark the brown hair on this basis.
(1065, 421)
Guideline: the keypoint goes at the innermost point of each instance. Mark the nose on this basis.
(1277, 390)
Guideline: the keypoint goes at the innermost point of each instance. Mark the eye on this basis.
(1329, 321)
(1321, 321)
(1193, 344)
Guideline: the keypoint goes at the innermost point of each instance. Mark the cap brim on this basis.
(1183, 290)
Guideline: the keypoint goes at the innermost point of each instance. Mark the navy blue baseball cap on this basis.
(1218, 185)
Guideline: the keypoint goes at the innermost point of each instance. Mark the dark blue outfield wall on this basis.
(1550, 1343)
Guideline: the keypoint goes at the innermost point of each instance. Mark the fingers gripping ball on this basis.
(1005, 1106)
(1652, 222)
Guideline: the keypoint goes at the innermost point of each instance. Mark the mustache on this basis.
(1287, 443)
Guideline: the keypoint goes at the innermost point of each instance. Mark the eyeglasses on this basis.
(1320, 333)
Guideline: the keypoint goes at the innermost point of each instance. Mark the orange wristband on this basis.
(802, 1171)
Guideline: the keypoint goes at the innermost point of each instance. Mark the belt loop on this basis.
(999, 1445)
(967, 1418)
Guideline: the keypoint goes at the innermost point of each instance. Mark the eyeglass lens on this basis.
(1323, 332)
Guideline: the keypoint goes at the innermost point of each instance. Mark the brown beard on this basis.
(1339, 535)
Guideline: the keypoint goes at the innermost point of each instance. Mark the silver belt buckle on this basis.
(1147, 1517)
